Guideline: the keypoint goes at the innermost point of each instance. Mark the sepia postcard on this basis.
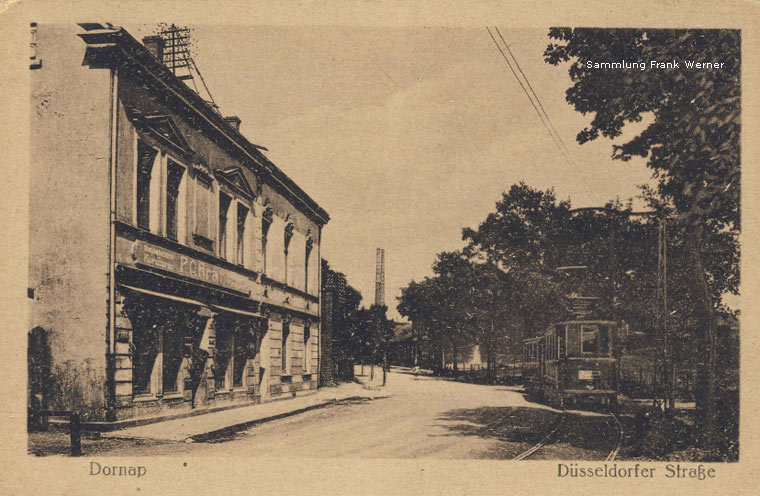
(379, 248)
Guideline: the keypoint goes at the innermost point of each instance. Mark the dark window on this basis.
(172, 347)
(242, 215)
(203, 208)
(224, 207)
(590, 340)
(604, 340)
(174, 173)
(306, 349)
(266, 223)
(288, 236)
(145, 342)
(145, 158)
(239, 360)
(222, 358)
(309, 246)
(285, 334)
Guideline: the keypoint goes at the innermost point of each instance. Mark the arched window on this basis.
(289, 228)
(266, 223)
(309, 246)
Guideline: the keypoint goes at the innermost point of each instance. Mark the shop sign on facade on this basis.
(170, 261)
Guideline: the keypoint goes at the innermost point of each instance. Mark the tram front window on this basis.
(590, 340)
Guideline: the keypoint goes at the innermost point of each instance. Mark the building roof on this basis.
(103, 39)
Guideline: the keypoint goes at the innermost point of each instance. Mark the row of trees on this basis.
(359, 334)
(504, 285)
(692, 147)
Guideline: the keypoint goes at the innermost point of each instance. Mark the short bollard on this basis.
(75, 430)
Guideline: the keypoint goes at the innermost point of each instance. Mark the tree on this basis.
(343, 314)
(691, 142)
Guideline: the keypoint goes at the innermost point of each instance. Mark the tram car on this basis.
(573, 362)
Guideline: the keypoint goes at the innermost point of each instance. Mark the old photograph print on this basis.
(385, 242)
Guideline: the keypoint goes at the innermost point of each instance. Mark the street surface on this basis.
(418, 417)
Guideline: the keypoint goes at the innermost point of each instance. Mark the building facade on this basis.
(173, 267)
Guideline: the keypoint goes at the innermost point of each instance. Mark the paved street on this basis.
(416, 417)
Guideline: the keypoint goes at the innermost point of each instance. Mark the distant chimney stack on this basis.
(155, 45)
(234, 121)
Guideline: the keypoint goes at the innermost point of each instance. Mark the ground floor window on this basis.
(145, 351)
(239, 360)
(285, 345)
(307, 349)
(223, 357)
(173, 350)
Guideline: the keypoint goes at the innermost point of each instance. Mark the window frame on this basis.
(309, 246)
(181, 191)
(286, 360)
(306, 348)
(139, 167)
(222, 234)
(267, 218)
(240, 233)
(596, 329)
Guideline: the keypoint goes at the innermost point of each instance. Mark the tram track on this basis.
(530, 451)
(611, 456)
(618, 438)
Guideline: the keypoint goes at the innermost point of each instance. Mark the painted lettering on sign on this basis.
(587, 375)
(161, 258)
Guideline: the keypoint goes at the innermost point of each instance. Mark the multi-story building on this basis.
(173, 267)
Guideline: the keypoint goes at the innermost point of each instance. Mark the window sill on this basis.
(144, 398)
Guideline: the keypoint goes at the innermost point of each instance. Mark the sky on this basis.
(404, 135)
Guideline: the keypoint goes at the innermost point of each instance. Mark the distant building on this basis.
(173, 267)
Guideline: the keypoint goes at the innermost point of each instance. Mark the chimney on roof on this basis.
(234, 121)
(155, 45)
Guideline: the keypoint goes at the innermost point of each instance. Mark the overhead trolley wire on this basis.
(538, 100)
(544, 117)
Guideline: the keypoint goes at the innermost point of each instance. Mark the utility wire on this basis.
(525, 91)
(538, 100)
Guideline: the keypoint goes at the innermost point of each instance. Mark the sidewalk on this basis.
(204, 426)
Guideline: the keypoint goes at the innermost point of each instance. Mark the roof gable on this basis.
(160, 129)
(234, 178)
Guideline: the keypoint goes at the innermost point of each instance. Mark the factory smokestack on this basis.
(380, 277)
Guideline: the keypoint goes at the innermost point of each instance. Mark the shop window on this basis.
(145, 342)
(242, 217)
(285, 346)
(589, 340)
(239, 359)
(146, 156)
(224, 207)
(266, 223)
(172, 347)
(222, 358)
(173, 182)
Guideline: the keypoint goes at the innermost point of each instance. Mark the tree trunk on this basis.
(385, 366)
(454, 351)
(707, 328)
